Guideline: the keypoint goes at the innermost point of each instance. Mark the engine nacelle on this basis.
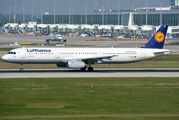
(76, 64)
(64, 40)
(47, 40)
(61, 64)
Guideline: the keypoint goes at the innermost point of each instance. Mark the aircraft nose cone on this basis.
(4, 58)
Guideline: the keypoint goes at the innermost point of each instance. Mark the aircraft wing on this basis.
(90, 59)
(98, 58)
(93, 60)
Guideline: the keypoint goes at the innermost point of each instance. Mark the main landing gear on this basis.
(90, 69)
(83, 69)
(22, 69)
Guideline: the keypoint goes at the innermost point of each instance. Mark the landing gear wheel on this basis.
(90, 69)
(47, 42)
(83, 69)
(22, 69)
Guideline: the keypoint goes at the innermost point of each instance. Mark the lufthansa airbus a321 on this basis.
(82, 58)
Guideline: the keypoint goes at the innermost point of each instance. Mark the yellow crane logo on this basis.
(159, 37)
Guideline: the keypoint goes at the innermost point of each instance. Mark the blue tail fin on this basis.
(157, 41)
(3, 31)
(48, 29)
(19, 31)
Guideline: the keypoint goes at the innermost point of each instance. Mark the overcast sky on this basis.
(76, 5)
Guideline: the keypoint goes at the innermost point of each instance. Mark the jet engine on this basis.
(75, 64)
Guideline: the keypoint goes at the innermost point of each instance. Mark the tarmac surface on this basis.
(105, 42)
(9, 39)
(67, 73)
(87, 42)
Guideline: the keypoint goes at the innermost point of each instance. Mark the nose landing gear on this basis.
(83, 69)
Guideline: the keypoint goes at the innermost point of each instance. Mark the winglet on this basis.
(157, 41)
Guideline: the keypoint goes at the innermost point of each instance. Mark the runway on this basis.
(66, 73)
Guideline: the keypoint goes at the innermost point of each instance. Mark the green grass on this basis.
(157, 98)
(6, 49)
(106, 118)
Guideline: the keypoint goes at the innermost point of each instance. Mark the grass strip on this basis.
(6, 49)
(129, 98)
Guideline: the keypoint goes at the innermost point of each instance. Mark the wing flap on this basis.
(98, 58)
(89, 59)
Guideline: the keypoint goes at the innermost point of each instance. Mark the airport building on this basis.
(131, 22)
(170, 16)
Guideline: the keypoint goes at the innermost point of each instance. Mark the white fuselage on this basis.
(57, 55)
(55, 37)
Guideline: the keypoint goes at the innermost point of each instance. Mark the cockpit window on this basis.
(12, 53)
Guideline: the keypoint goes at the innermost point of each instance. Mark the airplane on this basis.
(3, 31)
(81, 58)
(55, 37)
(20, 32)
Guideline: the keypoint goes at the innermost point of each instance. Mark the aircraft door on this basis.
(99, 53)
(142, 53)
(57, 53)
(23, 53)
